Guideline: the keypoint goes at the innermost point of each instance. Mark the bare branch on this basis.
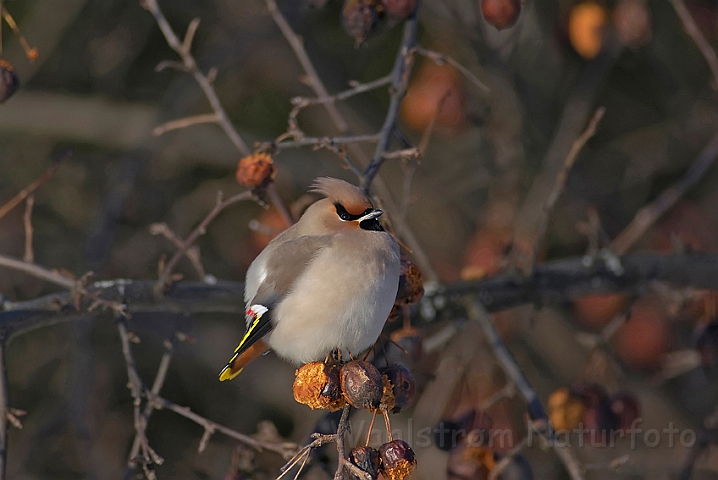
(478, 313)
(646, 216)
(37, 271)
(561, 177)
(221, 204)
(192, 253)
(185, 122)
(25, 192)
(191, 66)
(29, 255)
(695, 33)
(440, 59)
(315, 82)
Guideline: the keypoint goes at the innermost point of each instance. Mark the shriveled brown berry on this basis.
(362, 384)
(411, 284)
(402, 384)
(256, 170)
(388, 401)
(501, 13)
(565, 409)
(8, 80)
(361, 18)
(317, 385)
(399, 9)
(366, 459)
(397, 460)
(470, 462)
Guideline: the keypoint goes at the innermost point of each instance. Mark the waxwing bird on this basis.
(327, 282)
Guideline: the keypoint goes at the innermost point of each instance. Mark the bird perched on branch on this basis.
(327, 282)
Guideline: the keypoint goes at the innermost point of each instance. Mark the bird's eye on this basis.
(367, 211)
(342, 212)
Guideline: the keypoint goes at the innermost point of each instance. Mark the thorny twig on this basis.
(646, 216)
(190, 65)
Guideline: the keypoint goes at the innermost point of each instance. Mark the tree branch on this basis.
(190, 65)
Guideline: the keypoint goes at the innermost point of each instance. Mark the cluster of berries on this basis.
(360, 384)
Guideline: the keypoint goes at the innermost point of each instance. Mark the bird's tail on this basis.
(240, 360)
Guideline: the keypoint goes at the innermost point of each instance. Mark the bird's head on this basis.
(345, 208)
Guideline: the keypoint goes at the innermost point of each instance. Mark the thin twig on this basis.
(192, 253)
(184, 123)
(646, 216)
(137, 389)
(190, 65)
(297, 45)
(695, 33)
(25, 192)
(38, 271)
(29, 255)
(30, 52)
(156, 387)
(201, 229)
(319, 142)
(440, 59)
(356, 90)
(562, 175)
(286, 449)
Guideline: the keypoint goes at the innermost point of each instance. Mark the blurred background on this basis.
(94, 88)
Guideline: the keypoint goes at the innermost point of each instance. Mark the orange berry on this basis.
(501, 13)
(643, 340)
(597, 310)
(586, 24)
(434, 86)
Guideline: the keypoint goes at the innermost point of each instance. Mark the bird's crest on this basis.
(344, 193)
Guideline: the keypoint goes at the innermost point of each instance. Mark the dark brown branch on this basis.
(399, 81)
(552, 283)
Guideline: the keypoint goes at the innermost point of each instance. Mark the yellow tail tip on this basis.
(227, 374)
